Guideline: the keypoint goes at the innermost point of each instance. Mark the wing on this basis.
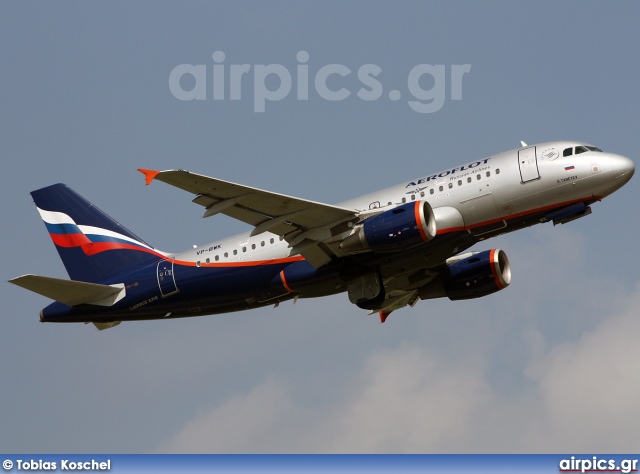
(309, 227)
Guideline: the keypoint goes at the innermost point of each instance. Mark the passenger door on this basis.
(528, 163)
(166, 278)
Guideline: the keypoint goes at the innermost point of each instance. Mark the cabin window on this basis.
(262, 244)
(404, 200)
(450, 185)
(217, 257)
(271, 241)
(253, 246)
(422, 194)
(281, 238)
(226, 255)
(469, 179)
(441, 188)
(567, 152)
(478, 176)
(459, 182)
(198, 263)
(488, 173)
(413, 197)
(244, 249)
(207, 261)
(431, 191)
(497, 170)
(235, 252)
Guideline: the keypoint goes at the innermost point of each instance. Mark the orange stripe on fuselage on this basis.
(516, 215)
(249, 263)
(449, 230)
(532, 211)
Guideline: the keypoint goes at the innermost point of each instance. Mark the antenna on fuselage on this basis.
(523, 143)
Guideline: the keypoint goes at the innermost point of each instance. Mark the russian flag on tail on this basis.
(91, 244)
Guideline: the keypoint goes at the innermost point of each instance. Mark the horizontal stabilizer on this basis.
(71, 292)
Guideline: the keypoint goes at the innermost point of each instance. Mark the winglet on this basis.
(384, 315)
(149, 175)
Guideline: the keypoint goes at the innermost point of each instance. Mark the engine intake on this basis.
(403, 227)
(477, 275)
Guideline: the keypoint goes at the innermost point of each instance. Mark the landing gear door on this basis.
(166, 278)
(364, 287)
(528, 163)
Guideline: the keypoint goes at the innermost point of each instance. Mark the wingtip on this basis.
(149, 175)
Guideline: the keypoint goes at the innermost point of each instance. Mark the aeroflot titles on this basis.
(448, 172)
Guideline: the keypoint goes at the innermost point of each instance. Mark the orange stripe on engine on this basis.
(284, 282)
(495, 268)
(420, 222)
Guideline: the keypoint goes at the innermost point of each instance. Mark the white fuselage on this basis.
(486, 191)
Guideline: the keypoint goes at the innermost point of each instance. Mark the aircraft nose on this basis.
(623, 168)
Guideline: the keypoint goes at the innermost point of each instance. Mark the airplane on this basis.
(386, 250)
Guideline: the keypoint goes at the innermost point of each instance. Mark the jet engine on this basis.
(403, 227)
(302, 278)
(470, 276)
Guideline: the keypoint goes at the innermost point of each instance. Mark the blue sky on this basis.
(547, 365)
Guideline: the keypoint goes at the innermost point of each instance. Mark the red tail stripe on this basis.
(70, 240)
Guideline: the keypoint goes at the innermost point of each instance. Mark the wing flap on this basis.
(71, 292)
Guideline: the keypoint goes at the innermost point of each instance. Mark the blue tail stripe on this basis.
(62, 228)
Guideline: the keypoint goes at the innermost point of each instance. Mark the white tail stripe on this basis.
(51, 217)
(89, 230)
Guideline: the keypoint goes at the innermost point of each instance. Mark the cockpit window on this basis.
(593, 148)
(567, 152)
(581, 149)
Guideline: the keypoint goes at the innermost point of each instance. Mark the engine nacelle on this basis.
(396, 229)
(479, 274)
(302, 278)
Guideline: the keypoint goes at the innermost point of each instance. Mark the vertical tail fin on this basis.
(91, 244)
